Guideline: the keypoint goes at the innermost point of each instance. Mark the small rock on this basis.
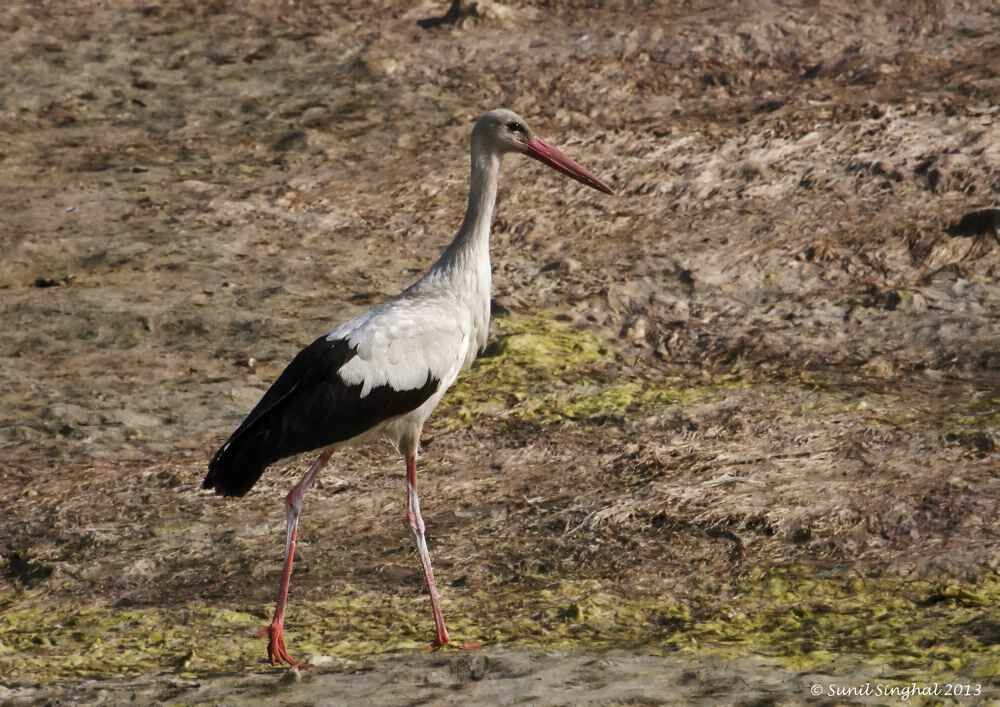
(635, 331)
(292, 140)
(879, 367)
(322, 661)
(570, 265)
(248, 362)
(143, 567)
(315, 117)
(42, 281)
(197, 186)
(918, 303)
(563, 265)
(768, 106)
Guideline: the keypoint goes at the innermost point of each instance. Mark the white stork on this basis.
(382, 373)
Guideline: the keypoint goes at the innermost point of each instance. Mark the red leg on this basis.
(276, 651)
(417, 527)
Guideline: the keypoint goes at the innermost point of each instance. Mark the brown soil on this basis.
(792, 307)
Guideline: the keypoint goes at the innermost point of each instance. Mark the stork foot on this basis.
(443, 640)
(276, 651)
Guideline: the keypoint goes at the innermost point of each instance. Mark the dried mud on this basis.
(736, 431)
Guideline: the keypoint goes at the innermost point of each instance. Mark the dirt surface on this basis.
(738, 426)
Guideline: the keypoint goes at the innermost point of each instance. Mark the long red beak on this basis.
(547, 154)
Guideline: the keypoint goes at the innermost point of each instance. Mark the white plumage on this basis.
(402, 342)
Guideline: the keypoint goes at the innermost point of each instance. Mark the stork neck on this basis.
(465, 265)
(463, 270)
(474, 234)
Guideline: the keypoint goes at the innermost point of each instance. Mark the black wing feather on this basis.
(308, 407)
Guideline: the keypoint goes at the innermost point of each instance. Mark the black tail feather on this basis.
(291, 425)
(308, 407)
(262, 437)
(236, 467)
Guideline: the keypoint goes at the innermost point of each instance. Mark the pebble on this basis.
(635, 330)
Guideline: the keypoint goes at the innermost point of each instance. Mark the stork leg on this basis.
(276, 651)
(417, 527)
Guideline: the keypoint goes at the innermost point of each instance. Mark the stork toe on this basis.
(276, 651)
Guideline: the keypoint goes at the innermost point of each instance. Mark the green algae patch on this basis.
(913, 628)
(978, 427)
(43, 640)
(526, 353)
(543, 371)
(589, 402)
(796, 616)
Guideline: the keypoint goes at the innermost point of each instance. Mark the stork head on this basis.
(505, 131)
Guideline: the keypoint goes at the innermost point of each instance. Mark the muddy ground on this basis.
(738, 427)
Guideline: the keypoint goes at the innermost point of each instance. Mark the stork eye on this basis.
(515, 127)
